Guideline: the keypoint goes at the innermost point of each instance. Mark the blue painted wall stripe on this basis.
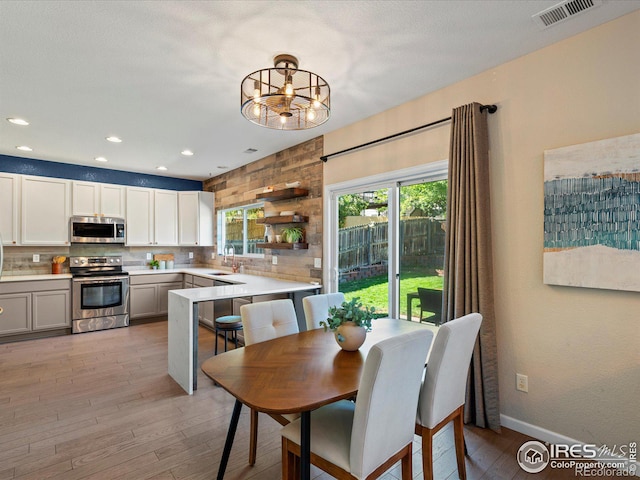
(45, 168)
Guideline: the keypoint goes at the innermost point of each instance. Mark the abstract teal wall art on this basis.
(592, 214)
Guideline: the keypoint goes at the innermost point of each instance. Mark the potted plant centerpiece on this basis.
(292, 234)
(154, 264)
(350, 323)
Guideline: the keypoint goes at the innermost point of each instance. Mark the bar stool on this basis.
(228, 323)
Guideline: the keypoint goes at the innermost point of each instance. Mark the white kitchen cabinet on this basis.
(149, 294)
(152, 217)
(195, 218)
(46, 205)
(166, 217)
(90, 198)
(9, 208)
(140, 216)
(29, 306)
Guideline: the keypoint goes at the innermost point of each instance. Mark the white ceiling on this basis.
(165, 75)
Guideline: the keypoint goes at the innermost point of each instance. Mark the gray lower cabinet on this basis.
(205, 309)
(29, 306)
(149, 294)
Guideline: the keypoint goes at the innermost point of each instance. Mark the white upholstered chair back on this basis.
(384, 417)
(444, 385)
(316, 307)
(264, 321)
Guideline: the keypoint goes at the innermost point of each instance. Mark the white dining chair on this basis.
(364, 439)
(442, 395)
(264, 321)
(316, 307)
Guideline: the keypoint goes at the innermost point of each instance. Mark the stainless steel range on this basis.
(99, 295)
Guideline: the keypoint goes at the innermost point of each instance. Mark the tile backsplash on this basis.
(19, 260)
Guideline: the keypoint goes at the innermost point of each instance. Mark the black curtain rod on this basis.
(324, 158)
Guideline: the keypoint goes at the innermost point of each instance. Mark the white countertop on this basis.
(30, 278)
(244, 285)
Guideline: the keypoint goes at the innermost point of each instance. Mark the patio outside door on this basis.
(390, 243)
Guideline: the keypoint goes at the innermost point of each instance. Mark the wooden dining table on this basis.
(294, 374)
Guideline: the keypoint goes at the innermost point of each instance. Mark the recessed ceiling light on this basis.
(222, 167)
(187, 153)
(250, 150)
(100, 159)
(114, 139)
(161, 168)
(24, 148)
(18, 121)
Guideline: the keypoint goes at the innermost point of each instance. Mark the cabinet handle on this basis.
(1, 310)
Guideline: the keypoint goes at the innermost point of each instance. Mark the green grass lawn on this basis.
(374, 291)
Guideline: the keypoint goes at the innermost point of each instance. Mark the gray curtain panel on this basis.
(468, 278)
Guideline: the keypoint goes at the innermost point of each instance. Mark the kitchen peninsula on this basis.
(183, 316)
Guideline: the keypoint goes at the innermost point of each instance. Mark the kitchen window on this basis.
(237, 228)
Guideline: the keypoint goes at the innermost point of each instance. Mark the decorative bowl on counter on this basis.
(292, 184)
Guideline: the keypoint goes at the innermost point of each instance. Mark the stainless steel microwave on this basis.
(97, 230)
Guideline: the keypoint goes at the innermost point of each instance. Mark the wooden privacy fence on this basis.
(255, 235)
(366, 245)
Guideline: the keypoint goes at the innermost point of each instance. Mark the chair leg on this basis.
(215, 351)
(253, 437)
(407, 465)
(235, 337)
(290, 462)
(458, 435)
(427, 453)
(225, 340)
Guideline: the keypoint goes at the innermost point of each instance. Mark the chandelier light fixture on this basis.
(285, 98)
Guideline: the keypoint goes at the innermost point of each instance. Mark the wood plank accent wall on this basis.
(239, 187)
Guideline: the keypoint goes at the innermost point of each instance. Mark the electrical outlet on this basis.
(317, 263)
(522, 382)
(190, 255)
(274, 260)
(213, 255)
(149, 256)
(36, 257)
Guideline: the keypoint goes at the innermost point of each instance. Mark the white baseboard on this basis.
(543, 434)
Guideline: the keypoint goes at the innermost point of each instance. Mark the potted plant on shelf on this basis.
(292, 234)
(350, 323)
(154, 264)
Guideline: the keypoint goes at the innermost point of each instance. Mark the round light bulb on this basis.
(256, 110)
(311, 114)
(288, 87)
(256, 90)
(283, 119)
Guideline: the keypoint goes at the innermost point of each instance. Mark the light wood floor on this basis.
(101, 406)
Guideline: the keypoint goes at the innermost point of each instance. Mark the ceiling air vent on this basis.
(563, 11)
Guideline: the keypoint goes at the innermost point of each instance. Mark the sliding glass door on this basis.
(363, 247)
(386, 243)
(423, 206)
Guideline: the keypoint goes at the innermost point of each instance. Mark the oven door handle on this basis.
(111, 279)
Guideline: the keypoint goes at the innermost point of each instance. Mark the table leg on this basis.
(305, 446)
(231, 433)
(195, 347)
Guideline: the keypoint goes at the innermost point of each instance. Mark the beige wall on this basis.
(580, 347)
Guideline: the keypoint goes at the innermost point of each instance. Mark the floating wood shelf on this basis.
(283, 219)
(284, 194)
(284, 246)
